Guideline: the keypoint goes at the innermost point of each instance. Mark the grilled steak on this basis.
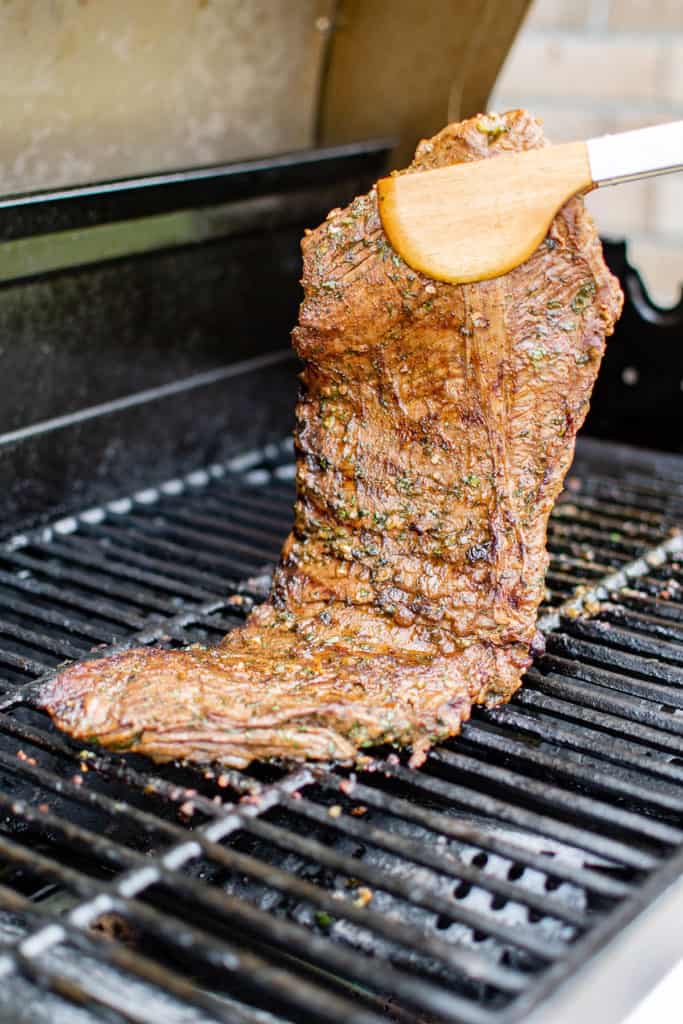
(434, 428)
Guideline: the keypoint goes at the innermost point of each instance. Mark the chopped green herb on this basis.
(492, 126)
(583, 296)
(537, 354)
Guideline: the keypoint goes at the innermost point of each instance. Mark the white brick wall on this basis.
(584, 68)
(588, 67)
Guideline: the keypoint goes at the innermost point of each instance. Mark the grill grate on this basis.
(458, 892)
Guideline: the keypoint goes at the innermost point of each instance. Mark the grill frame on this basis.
(60, 539)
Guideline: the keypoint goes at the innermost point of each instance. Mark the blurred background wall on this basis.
(588, 67)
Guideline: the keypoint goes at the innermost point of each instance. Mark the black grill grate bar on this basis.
(635, 510)
(670, 579)
(220, 624)
(29, 666)
(423, 895)
(483, 839)
(587, 567)
(657, 588)
(637, 477)
(562, 587)
(33, 611)
(93, 556)
(569, 710)
(111, 953)
(565, 531)
(587, 771)
(98, 582)
(279, 503)
(116, 769)
(443, 862)
(554, 598)
(579, 554)
(213, 952)
(270, 540)
(549, 825)
(613, 636)
(671, 573)
(144, 874)
(569, 662)
(203, 541)
(587, 600)
(584, 739)
(634, 491)
(148, 540)
(592, 644)
(611, 518)
(90, 605)
(118, 810)
(647, 603)
(566, 582)
(629, 506)
(556, 797)
(392, 931)
(41, 641)
(241, 509)
(641, 622)
(632, 712)
(107, 538)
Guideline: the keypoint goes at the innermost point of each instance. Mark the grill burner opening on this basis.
(465, 891)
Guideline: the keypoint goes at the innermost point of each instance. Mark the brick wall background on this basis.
(589, 67)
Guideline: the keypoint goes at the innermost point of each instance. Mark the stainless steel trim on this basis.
(637, 154)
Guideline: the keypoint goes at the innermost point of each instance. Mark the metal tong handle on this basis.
(638, 154)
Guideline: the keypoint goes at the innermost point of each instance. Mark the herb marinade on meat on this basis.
(435, 425)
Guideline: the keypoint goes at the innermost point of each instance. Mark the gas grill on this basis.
(520, 874)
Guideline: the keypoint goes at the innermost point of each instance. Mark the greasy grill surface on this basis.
(139, 893)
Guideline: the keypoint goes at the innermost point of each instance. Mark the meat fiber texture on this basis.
(434, 428)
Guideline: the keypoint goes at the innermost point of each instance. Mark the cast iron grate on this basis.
(459, 892)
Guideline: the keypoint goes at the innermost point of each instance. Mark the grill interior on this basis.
(459, 892)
